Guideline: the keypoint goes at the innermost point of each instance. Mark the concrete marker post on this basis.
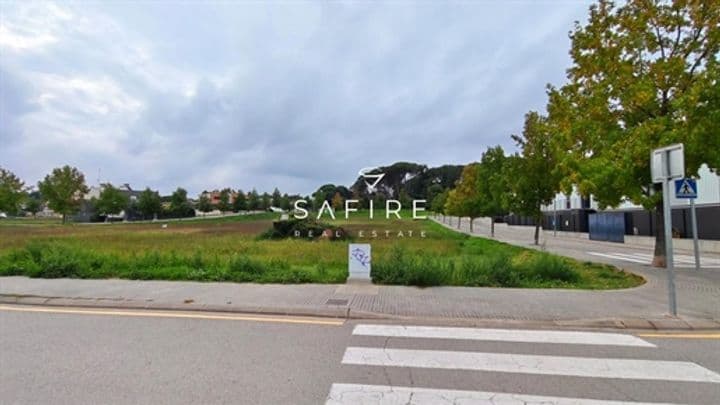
(693, 220)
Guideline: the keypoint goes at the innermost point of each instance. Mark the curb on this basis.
(344, 312)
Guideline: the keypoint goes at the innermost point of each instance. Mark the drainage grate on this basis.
(335, 301)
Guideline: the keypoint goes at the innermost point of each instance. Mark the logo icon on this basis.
(374, 178)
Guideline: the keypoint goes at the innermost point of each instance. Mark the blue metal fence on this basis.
(607, 226)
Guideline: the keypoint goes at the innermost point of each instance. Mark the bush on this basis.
(546, 267)
(400, 268)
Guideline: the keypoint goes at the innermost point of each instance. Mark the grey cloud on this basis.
(267, 95)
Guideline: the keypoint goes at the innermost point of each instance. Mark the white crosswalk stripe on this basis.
(383, 394)
(532, 364)
(503, 335)
(680, 261)
(518, 364)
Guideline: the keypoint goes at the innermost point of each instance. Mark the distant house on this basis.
(214, 196)
(87, 212)
(95, 191)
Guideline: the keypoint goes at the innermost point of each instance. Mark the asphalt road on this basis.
(48, 356)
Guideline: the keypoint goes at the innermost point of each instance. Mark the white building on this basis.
(708, 184)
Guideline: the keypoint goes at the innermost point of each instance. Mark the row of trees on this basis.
(236, 201)
(644, 75)
(64, 189)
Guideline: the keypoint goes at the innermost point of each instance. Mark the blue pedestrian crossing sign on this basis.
(685, 188)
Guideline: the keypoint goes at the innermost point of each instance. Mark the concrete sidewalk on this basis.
(698, 295)
(639, 308)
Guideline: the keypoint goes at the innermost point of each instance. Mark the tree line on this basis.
(644, 75)
(64, 191)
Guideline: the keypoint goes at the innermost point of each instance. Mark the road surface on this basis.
(92, 356)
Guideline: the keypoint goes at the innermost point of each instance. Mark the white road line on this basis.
(502, 335)
(382, 394)
(618, 257)
(531, 364)
(633, 256)
(678, 258)
(684, 262)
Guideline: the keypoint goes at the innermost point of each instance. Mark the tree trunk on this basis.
(63, 220)
(659, 258)
(537, 233)
(492, 228)
(459, 220)
(471, 224)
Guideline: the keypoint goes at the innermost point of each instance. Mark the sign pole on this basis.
(693, 219)
(667, 216)
(555, 216)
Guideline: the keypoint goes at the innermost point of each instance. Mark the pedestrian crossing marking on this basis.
(680, 261)
(531, 364)
(505, 335)
(383, 394)
(521, 365)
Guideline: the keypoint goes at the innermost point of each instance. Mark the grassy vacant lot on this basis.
(228, 249)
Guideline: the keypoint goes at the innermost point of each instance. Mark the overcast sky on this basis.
(255, 94)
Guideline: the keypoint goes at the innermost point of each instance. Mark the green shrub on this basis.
(398, 267)
(546, 267)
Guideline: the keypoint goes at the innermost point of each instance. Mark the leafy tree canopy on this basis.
(149, 203)
(111, 201)
(12, 191)
(63, 189)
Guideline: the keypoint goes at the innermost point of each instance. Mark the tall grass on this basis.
(493, 268)
(228, 250)
(57, 260)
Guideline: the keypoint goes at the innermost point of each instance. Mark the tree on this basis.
(276, 198)
(531, 176)
(149, 203)
(437, 204)
(433, 191)
(224, 203)
(404, 198)
(285, 202)
(12, 191)
(240, 203)
(467, 200)
(204, 204)
(63, 189)
(179, 205)
(492, 185)
(642, 77)
(253, 200)
(265, 201)
(33, 205)
(452, 206)
(111, 201)
(337, 202)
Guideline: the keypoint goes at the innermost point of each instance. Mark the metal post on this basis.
(693, 220)
(555, 216)
(667, 214)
